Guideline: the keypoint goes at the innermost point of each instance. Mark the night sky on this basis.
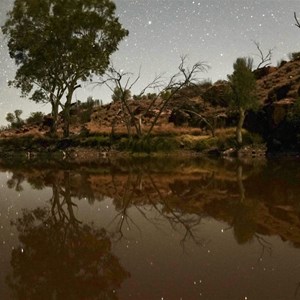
(216, 32)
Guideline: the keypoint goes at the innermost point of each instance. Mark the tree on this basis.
(265, 59)
(123, 81)
(118, 94)
(243, 91)
(35, 118)
(15, 118)
(57, 44)
(67, 258)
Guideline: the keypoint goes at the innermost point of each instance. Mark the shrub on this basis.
(205, 144)
(147, 145)
(35, 118)
(294, 55)
(15, 119)
(96, 141)
(226, 141)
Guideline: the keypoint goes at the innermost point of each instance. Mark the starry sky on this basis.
(160, 31)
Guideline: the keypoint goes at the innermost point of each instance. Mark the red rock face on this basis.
(280, 110)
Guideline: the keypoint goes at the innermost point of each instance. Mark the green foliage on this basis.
(15, 119)
(243, 85)
(166, 94)
(205, 144)
(58, 43)
(90, 103)
(25, 143)
(35, 118)
(85, 109)
(148, 96)
(243, 91)
(151, 96)
(147, 145)
(227, 141)
(120, 94)
(96, 141)
(294, 56)
(137, 97)
(10, 117)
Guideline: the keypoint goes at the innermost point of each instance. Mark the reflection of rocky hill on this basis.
(261, 201)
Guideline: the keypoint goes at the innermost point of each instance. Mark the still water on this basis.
(150, 229)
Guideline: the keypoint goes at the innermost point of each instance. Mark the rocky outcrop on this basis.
(216, 95)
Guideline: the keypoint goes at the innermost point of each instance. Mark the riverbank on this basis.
(81, 149)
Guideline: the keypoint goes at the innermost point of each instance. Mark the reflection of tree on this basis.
(244, 222)
(16, 182)
(141, 192)
(59, 258)
(62, 207)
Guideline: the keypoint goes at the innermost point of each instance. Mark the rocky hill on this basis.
(202, 107)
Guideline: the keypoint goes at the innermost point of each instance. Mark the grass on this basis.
(148, 145)
(160, 142)
(223, 140)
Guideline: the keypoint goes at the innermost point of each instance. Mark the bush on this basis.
(205, 144)
(85, 116)
(147, 145)
(35, 118)
(294, 56)
(15, 119)
(227, 141)
(96, 141)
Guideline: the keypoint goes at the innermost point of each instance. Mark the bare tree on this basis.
(124, 81)
(182, 78)
(265, 58)
(296, 19)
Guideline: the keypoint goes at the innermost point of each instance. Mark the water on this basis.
(150, 229)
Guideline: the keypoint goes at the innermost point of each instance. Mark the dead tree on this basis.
(185, 76)
(124, 81)
(296, 19)
(265, 59)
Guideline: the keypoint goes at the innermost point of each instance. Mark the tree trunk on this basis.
(53, 129)
(239, 127)
(67, 112)
(239, 177)
(67, 120)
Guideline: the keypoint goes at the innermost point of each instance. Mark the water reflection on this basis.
(59, 257)
(250, 199)
(73, 258)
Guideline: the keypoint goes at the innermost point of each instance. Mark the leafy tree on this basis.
(10, 117)
(15, 118)
(243, 91)
(57, 44)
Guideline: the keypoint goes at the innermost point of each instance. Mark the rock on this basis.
(216, 95)
(264, 71)
(179, 117)
(231, 152)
